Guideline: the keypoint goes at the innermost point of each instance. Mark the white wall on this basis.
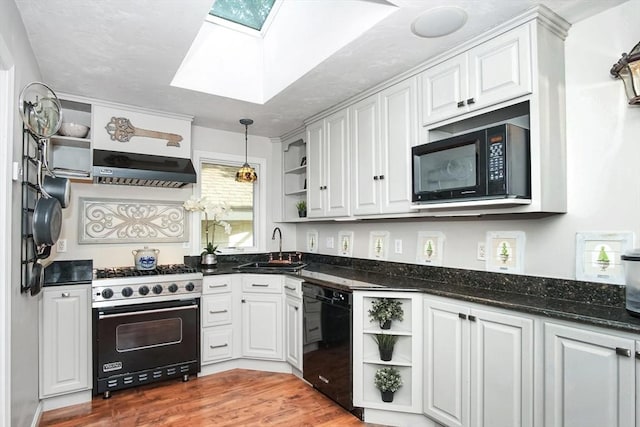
(603, 151)
(205, 140)
(23, 392)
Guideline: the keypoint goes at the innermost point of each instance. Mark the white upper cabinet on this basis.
(492, 72)
(383, 129)
(327, 166)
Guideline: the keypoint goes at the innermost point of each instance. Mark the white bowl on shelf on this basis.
(74, 130)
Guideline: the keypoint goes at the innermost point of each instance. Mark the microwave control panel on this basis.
(496, 161)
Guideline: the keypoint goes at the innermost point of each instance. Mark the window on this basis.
(250, 13)
(218, 185)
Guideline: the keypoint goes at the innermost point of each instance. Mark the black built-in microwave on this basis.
(492, 163)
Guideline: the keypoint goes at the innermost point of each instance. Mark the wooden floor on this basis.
(233, 398)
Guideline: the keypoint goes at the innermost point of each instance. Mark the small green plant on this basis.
(385, 310)
(385, 341)
(388, 379)
(301, 205)
(210, 249)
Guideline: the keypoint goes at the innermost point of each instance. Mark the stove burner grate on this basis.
(107, 273)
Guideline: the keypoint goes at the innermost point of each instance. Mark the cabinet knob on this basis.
(375, 178)
(381, 176)
(462, 316)
(66, 295)
(472, 318)
(623, 352)
(244, 300)
(295, 307)
(471, 101)
(460, 104)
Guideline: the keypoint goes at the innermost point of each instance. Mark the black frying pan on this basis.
(37, 277)
(47, 221)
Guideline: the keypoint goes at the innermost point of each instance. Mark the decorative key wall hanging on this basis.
(121, 129)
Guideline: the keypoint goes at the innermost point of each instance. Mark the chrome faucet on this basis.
(273, 237)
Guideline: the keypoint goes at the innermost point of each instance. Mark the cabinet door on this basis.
(501, 370)
(65, 337)
(315, 166)
(446, 352)
(587, 382)
(365, 156)
(337, 162)
(500, 69)
(262, 326)
(444, 86)
(398, 133)
(293, 332)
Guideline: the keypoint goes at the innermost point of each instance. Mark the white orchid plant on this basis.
(214, 211)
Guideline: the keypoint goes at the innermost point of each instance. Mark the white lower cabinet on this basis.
(478, 366)
(217, 309)
(293, 322)
(262, 325)
(65, 340)
(589, 378)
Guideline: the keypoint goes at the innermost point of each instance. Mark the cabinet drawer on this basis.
(293, 287)
(216, 310)
(271, 284)
(217, 344)
(216, 284)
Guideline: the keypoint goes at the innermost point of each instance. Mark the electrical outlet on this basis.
(61, 245)
(330, 242)
(398, 246)
(481, 252)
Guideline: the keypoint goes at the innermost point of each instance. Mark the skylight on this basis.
(250, 13)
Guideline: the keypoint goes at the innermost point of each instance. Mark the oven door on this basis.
(140, 338)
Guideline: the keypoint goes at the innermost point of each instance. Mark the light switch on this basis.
(398, 246)
(481, 252)
(330, 242)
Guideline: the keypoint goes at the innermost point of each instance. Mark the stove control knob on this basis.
(107, 293)
(127, 292)
(143, 290)
(173, 287)
(157, 289)
(190, 287)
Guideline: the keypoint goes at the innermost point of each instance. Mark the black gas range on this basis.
(146, 325)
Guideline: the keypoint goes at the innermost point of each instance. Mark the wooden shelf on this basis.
(297, 171)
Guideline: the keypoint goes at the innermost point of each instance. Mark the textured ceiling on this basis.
(128, 52)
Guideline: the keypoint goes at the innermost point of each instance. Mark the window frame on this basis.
(259, 199)
(212, 19)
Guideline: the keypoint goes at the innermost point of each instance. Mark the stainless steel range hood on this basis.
(114, 167)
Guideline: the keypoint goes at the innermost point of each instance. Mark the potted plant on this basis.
(385, 343)
(302, 208)
(388, 381)
(384, 310)
(208, 255)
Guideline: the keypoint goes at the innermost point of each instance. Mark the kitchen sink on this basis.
(271, 267)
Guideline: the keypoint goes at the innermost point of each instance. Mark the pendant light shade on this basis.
(628, 70)
(246, 173)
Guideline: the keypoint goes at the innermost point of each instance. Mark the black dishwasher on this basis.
(327, 356)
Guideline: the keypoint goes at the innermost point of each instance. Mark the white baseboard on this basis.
(256, 365)
(56, 402)
(399, 419)
(36, 416)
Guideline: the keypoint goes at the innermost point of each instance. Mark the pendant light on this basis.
(628, 70)
(246, 173)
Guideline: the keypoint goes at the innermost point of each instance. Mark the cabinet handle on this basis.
(460, 104)
(623, 352)
(296, 307)
(217, 312)
(244, 300)
(471, 101)
(217, 286)
(323, 379)
(462, 316)
(289, 287)
(472, 318)
(637, 354)
(381, 176)
(375, 178)
(314, 329)
(219, 346)
(66, 295)
(260, 285)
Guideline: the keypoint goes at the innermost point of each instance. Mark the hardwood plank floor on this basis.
(234, 398)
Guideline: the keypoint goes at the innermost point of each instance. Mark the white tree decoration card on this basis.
(345, 243)
(598, 256)
(505, 251)
(312, 241)
(430, 248)
(378, 244)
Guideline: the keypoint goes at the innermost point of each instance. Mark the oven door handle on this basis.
(158, 310)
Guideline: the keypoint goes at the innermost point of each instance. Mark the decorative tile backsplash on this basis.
(104, 220)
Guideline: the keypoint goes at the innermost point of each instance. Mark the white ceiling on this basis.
(129, 51)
